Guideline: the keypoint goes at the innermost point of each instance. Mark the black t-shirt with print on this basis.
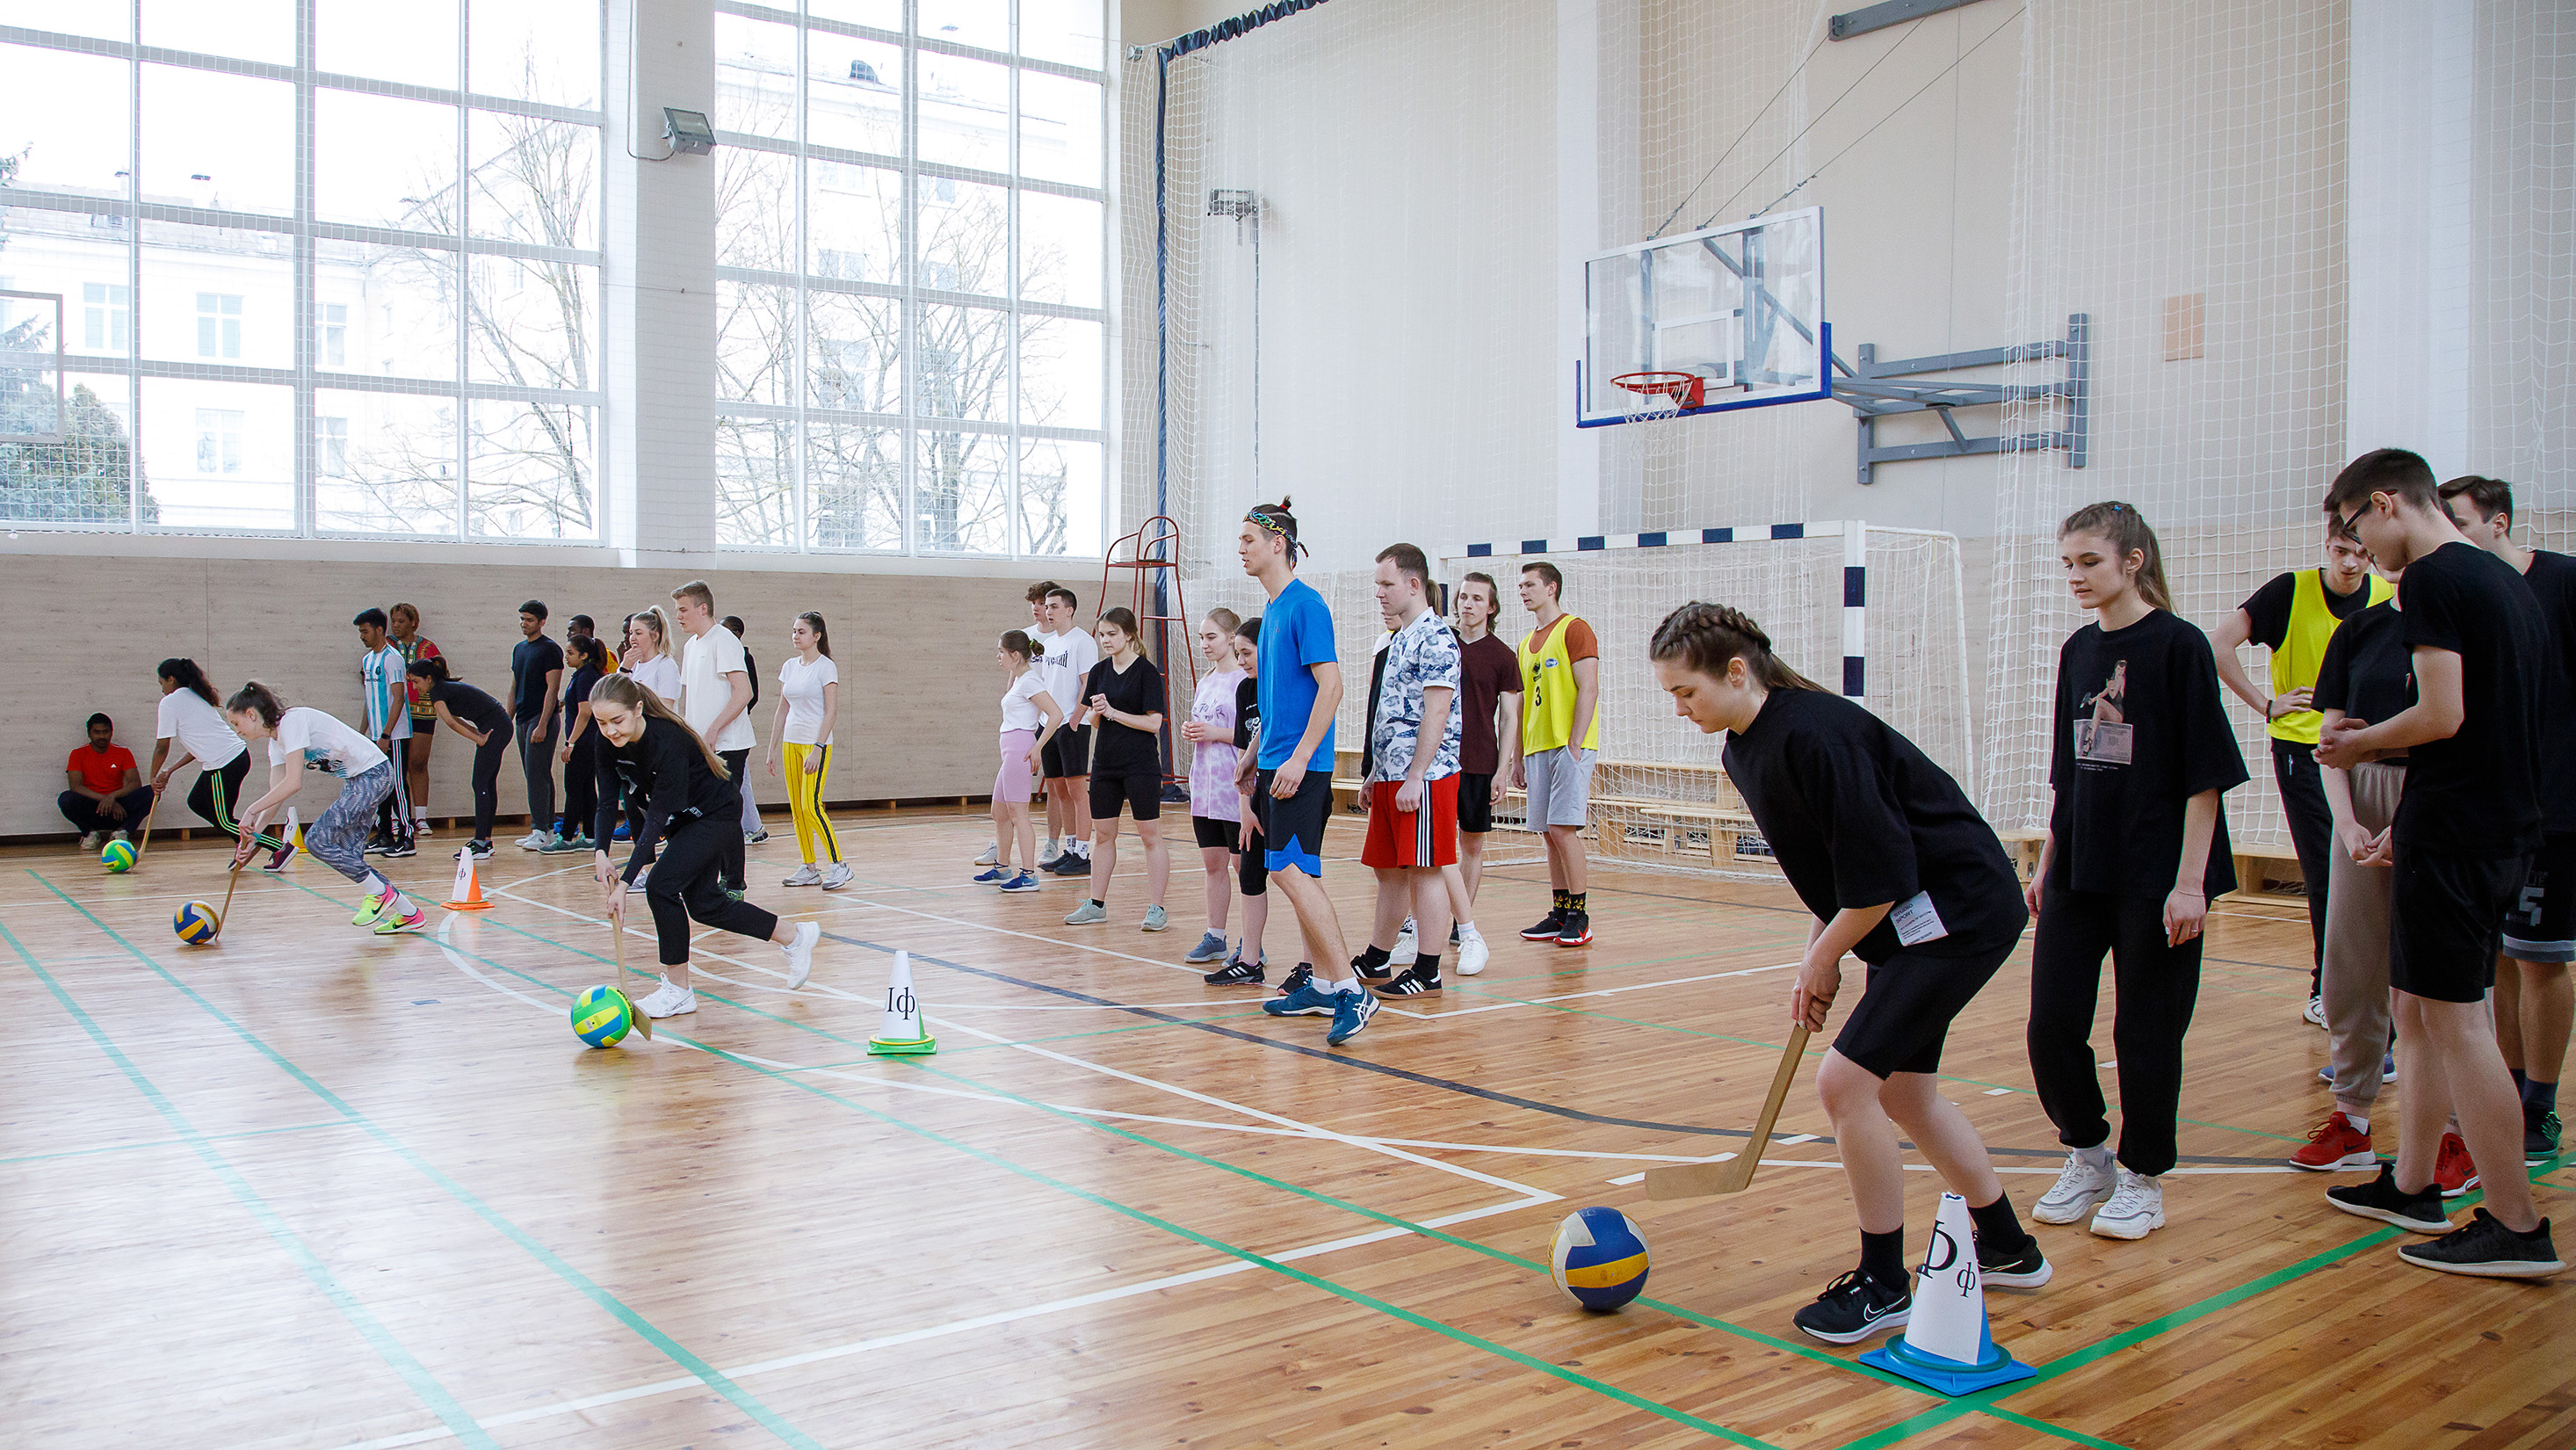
(2368, 672)
(1124, 750)
(2139, 731)
(2552, 578)
(1247, 712)
(2269, 606)
(2477, 793)
(1858, 816)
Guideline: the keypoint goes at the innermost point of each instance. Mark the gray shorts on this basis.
(1560, 786)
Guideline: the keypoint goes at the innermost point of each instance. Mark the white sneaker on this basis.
(640, 873)
(992, 854)
(800, 954)
(2315, 1015)
(93, 841)
(119, 836)
(2137, 1207)
(1472, 952)
(1048, 853)
(1407, 948)
(837, 877)
(2078, 1190)
(669, 1001)
(805, 875)
(534, 841)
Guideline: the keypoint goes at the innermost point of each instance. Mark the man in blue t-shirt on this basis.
(1299, 688)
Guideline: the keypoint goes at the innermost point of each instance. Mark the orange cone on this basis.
(469, 886)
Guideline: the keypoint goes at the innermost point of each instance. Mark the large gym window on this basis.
(910, 246)
(387, 329)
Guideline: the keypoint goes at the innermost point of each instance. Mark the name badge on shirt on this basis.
(1917, 921)
(2100, 742)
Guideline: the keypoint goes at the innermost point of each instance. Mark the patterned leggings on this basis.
(339, 838)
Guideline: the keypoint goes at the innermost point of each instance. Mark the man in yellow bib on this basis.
(2293, 616)
(1560, 740)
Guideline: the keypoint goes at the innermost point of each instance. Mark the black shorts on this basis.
(2542, 925)
(1475, 803)
(2446, 921)
(1142, 794)
(1066, 754)
(1214, 832)
(1905, 1011)
(1292, 831)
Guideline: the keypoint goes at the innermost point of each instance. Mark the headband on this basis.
(1284, 531)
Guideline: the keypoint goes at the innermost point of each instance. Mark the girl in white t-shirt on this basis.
(190, 717)
(1216, 807)
(301, 739)
(1030, 718)
(809, 705)
(650, 659)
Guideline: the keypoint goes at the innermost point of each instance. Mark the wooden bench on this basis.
(2259, 868)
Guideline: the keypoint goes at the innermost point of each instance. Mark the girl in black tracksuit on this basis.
(2137, 846)
(479, 718)
(691, 811)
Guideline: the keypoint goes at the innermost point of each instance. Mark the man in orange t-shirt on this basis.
(107, 792)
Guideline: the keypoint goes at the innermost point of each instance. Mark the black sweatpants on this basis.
(687, 882)
(537, 765)
(214, 793)
(2154, 987)
(394, 819)
(736, 761)
(2303, 800)
(83, 812)
(487, 783)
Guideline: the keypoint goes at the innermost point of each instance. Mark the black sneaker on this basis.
(1575, 930)
(2539, 1135)
(1547, 927)
(401, 848)
(1379, 973)
(378, 844)
(1071, 863)
(2383, 1200)
(1853, 1308)
(1235, 973)
(1297, 981)
(2026, 1268)
(2489, 1250)
(1411, 982)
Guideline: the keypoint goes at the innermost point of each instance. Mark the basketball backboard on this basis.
(1739, 308)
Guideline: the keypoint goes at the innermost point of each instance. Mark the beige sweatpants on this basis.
(2356, 965)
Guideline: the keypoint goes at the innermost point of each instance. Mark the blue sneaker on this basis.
(1306, 1001)
(1022, 882)
(994, 877)
(1351, 1012)
(624, 832)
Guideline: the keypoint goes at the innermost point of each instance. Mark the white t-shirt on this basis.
(802, 686)
(1019, 707)
(323, 743)
(1068, 659)
(200, 729)
(704, 691)
(661, 675)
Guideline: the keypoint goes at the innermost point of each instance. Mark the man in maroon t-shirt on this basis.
(107, 792)
(1491, 674)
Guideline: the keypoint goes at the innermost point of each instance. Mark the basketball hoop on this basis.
(1653, 395)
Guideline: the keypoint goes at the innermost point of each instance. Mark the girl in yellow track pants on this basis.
(809, 699)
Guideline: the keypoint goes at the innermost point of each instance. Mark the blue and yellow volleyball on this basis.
(1600, 1258)
(196, 923)
(601, 1016)
(119, 856)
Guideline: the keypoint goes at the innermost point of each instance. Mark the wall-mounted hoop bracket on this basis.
(1873, 393)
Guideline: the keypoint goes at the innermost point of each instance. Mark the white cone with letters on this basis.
(904, 1034)
(1947, 1343)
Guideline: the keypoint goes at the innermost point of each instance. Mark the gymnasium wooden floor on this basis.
(312, 1188)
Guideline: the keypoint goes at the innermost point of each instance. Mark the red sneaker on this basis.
(2334, 1145)
(2453, 1173)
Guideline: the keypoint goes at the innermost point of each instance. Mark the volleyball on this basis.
(1600, 1258)
(119, 856)
(601, 1016)
(196, 923)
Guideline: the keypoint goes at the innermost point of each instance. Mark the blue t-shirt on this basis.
(1296, 634)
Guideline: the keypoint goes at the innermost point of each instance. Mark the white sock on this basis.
(1346, 984)
(1467, 932)
(2360, 1121)
(2099, 1155)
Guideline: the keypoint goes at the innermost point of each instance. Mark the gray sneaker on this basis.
(837, 877)
(1211, 946)
(1155, 920)
(2080, 1189)
(805, 875)
(1088, 913)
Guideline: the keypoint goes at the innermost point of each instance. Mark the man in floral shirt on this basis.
(1413, 774)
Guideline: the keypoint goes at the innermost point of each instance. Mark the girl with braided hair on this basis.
(1899, 870)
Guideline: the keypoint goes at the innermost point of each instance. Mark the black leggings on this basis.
(581, 784)
(1252, 869)
(213, 796)
(687, 881)
(487, 780)
(736, 761)
(2154, 987)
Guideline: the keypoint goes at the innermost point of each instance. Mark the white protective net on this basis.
(2522, 193)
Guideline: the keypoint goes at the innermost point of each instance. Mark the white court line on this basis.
(1609, 991)
(2213, 1171)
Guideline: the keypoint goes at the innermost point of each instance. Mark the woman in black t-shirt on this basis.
(1898, 869)
(1124, 694)
(479, 718)
(585, 660)
(2136, 847)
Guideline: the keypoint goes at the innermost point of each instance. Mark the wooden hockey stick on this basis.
(226, 909)
(1701, 1180)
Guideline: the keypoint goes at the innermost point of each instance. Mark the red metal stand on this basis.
(1152, 553)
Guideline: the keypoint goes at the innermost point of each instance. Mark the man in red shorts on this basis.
(1413, 775)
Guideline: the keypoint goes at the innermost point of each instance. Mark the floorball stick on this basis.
(147, 829)
(228, 901)
(1701, 1180)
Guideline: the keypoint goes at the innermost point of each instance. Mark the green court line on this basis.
(713, 1378)
(167, 1142)
(400, 1360)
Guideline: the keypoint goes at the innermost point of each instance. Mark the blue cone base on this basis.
(1949, 1376)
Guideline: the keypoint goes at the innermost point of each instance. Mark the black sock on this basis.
(1882, 1257)
(1998, 1227)
(1103, 905)
(1427, 966)
(1561, 900)
(1372, 959)
(2542, 1096)
(2521, 1084)
(1574, 900)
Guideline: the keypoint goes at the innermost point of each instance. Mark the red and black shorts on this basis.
(1422, 838)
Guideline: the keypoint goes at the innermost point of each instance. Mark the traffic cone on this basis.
(904, 1034)
(1948, 1344)
(468, 887)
